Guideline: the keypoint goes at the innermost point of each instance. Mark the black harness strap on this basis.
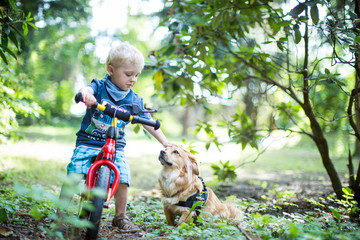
(197, 197)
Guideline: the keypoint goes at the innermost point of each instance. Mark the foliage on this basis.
(16, 100)
(59, 54)
(10, 20)
(258, 60)
(224, 171)
(259, 218)
(278, 214)
(16, 97)
(262, 219)
(41, 205)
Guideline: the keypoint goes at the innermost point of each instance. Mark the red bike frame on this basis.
(96, 175)
(105, 157)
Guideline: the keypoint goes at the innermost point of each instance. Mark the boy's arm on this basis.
(159, 135)
(88, 96)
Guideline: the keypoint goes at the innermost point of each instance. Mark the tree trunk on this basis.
(322, 145)
(317, 132)
(355, 184)
(186, 121)
(251, 109)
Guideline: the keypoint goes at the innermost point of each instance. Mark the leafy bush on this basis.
(277, 218)
(41, 205)
(224, 171)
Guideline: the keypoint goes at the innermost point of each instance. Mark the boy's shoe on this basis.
(124, 224)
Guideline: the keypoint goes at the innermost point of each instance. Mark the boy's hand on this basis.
(89, 100)
(168, 144)
(88, 96)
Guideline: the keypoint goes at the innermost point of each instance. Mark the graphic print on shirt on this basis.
(100, 123)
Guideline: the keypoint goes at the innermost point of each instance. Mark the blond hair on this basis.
(125, 52)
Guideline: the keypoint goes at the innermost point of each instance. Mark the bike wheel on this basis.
(98, 202)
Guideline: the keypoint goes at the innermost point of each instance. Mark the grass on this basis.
(47, 149)
(43, 153)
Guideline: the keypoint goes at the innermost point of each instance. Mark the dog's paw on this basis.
(170, 201)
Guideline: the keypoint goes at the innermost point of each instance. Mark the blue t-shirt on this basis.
(95, 123)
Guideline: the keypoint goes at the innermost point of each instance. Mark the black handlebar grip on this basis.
(78, 97)
(120, 113)
(155, 124)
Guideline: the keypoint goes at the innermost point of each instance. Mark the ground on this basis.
(302, 187)
(285, 184)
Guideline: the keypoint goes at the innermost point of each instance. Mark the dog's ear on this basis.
(194, 165)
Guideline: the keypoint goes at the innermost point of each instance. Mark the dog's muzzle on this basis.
(162, 158)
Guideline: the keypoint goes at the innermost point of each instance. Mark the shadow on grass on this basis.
(48, 133)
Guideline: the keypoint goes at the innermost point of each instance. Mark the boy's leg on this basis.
(121, 220)
(121, 199)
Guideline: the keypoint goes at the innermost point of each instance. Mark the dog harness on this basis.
(197, 197)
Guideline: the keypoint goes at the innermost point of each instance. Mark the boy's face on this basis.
(124, 76)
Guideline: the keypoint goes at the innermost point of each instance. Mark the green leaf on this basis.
(33, 25)
(273, 25)
(336, 214)
(8, 51)
(314, 13)
(12, 3)
(137, 128)
(347, 190)
(182, 101)
(25, 28)
(207, 146)
(158, 77)
(13, 39)
(353, 15)
(182, 226)
(6, 29)
(297, 34)
(19, 33)
(3, 215)
(170, 50)
(339, 82)
(2, 55)
(357, 39)
(4, 40)
(36, 214)
(216, 21)
(296, 11)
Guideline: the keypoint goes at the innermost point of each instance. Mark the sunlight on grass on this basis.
(45, 152)
(30, 171)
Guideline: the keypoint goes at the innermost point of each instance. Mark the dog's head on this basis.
(175, 157)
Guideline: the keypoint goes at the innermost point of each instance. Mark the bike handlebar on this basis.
(120, 113)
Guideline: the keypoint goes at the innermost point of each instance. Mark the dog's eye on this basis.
(175, 152)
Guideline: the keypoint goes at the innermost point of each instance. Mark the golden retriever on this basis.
(179, 181)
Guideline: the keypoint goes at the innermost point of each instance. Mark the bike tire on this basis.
(98, 202)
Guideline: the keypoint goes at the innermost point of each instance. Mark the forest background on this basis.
(253, 75)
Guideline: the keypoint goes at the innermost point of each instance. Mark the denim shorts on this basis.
(81, 162)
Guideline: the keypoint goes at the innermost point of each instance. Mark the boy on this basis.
(124, 65)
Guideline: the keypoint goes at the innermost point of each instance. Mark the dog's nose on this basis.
(162, 152)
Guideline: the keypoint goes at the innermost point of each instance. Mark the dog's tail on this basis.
(236, 214)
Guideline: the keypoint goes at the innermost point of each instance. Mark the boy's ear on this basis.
(110, 69)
